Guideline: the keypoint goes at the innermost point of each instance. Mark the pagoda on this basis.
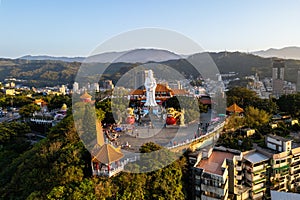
(87, 98)
(105, 157)
(234, 108)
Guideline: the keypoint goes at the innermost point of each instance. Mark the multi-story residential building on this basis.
(225, 173)
(295, 170)
(285, 164)
(211, 174)
(241, 191)
(278, 143)
(255, 171)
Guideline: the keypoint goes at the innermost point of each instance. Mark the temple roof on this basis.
(235, 108)
(180, 92)
(160, 88)
(138, 92)
(104, 153)
(40, 101)
(85, 96)
(107, 154)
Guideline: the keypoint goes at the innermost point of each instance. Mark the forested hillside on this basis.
(50, 73)
(59, 168)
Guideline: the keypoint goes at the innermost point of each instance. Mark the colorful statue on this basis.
(175, 117)
(130, 116)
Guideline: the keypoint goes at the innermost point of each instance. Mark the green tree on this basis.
(255, 118)
(149, 147)
(28, 110)
(234, 122)
(241, 96)
(57, 101)
(290, 104)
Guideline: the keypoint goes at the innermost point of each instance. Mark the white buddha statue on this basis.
(150, 85)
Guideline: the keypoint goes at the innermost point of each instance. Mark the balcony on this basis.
(259, 171)
(259, 190)
(238, 168)
(258, 168)
(259, 181)
(239, 177)
(296, 163)
(258, 196)
(258, 177)
(281, 167)
(258, 186)
(214, 189)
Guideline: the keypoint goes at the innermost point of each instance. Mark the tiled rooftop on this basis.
(214, 162)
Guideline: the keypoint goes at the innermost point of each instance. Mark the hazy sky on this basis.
(76, 28)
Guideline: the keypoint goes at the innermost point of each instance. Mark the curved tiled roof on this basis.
(85, 96)
(107, 154)
(235, 108)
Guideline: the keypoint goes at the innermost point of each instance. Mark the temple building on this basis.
(162, 93)
(105, 158)
(86, 97)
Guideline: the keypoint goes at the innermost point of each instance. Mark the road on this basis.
(9, 117)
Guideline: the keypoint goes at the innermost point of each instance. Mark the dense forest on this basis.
(58, 167)
(51, 72)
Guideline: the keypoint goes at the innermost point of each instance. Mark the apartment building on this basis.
(256, 165)
(285, 164)
(211, 175)
(223, 173)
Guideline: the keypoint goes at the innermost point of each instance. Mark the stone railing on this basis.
(115, 170)
(189, 141)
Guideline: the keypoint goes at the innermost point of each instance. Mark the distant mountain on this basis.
(44, 57)
(134, 56)
(285, 53)
(52, 72)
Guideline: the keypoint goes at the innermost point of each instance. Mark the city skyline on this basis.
(58, 28)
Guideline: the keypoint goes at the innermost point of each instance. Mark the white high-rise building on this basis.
(278, 77)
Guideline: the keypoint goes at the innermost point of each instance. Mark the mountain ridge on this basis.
(291, 52)
(131, 56)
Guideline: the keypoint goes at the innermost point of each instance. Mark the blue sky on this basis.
(76, 28)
